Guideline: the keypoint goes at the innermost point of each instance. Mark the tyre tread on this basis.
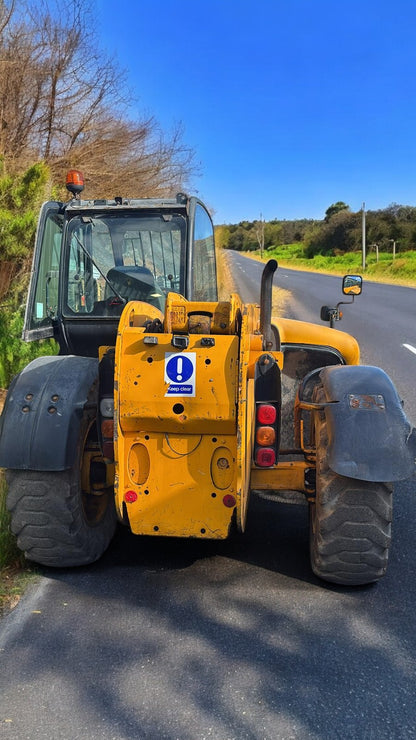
(48, 521)
(350, 521)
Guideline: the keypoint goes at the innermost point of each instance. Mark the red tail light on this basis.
(107, 438)
(107, 427)
(266, 413)
(265, 457)
(266, 435)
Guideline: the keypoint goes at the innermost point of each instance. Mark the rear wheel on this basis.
(64, 518)
(350, 521)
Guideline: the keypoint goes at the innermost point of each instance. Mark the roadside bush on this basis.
(14, 353)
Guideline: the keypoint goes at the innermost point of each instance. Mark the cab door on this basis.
(202, 276)
(42, 302)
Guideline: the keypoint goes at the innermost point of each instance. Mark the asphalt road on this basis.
(192, 640)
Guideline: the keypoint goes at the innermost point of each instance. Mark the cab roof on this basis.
(180, 202)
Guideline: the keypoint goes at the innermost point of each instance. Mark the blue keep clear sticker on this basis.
(180, 372)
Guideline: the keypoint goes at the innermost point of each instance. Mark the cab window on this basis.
(43, 304)
(118, 258)
(204, 279)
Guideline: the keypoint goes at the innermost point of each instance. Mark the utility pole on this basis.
(363, 235)
(260, 234)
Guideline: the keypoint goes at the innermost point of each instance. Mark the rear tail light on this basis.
(265, 457)
(107, 428)
(266, 413)
(266, 435)
(106, 406)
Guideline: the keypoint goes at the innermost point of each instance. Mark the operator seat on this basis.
(133, 283)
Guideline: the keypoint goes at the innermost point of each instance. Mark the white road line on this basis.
(410, 348)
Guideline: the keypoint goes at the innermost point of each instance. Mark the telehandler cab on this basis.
(165, 407)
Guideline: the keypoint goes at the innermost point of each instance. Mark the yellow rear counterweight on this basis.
(176, 432)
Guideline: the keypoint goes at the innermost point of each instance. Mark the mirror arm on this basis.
(345, 303)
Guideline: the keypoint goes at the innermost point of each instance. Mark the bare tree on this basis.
(57, 103)
(6, 13)
(132, 159)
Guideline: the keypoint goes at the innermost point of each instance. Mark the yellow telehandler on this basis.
(166, 407)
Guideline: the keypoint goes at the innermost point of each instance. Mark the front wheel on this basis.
(64, 518)
(350, 522)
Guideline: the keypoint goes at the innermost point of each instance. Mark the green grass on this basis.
(401, 270)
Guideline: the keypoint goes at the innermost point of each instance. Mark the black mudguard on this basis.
(370, 437)
(40, 423)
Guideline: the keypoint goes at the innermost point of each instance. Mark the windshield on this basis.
(117, 258)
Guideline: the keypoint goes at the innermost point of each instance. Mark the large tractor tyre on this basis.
(66, 518)
(350, 521)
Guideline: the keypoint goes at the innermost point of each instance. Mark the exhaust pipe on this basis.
(269, 338)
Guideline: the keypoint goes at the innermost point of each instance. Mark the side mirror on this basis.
(352, 285)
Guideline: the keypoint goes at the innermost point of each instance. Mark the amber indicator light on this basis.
(265, 436)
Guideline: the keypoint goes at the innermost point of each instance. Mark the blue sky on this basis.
(289, 106)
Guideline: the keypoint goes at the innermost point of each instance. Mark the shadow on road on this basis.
(237, 639)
